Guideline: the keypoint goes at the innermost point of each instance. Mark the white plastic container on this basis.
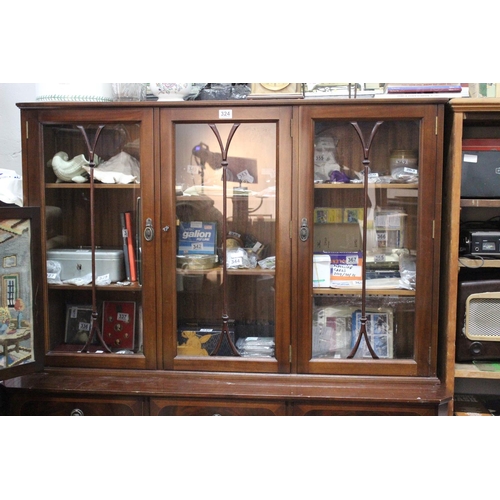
(321, 271)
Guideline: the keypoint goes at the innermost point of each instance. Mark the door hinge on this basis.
(291, 128)
(437, 125)
(27, 129)
(290, 354)
(433, 228)
(290, 226)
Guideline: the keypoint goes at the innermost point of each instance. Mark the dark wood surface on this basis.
(233, 385)
(177, 393)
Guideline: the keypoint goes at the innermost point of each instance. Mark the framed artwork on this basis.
(118, 324)
(21, 300)
(78, 323)
(379, 327)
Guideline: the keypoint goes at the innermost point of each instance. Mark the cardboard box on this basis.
(197, 237)
(337, 237)
(345, 275)
(346, 269)
(346, 258)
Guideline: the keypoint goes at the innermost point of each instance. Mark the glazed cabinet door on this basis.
(21, 310)
(368, 299)
(90, 169)
(225, 242)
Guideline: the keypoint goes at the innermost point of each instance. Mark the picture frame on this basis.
(78, 323)
(118, 324)
(379, 328)
(332, 331)
(22, 317)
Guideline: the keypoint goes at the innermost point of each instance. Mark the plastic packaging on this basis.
(237, 258)
(256, 346)
(268, 263)
(54, 272)
(408, 271)
(87, 279)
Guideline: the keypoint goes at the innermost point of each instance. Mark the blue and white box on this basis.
(197, 238)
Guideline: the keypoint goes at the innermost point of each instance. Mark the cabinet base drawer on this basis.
(216, 407)
(40, 405)
(363, 409)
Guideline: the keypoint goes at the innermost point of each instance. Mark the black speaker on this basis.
(478, 319)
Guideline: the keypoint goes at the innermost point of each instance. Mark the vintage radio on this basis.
(478, 319)
(485, 243)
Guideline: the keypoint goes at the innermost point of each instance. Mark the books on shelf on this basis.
(128, 245)
(422, 88)
(125, 244)
(428, 90)
(384, 90)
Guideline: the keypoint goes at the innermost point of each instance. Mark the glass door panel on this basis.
(231, 253)
(242, 219)
(390, 263)
(101, 217)
(368, 244)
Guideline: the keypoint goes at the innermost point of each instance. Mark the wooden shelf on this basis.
(357, 291)
(376, 185)
(247, 272)
(480, 203)
(468, 370)
(74, 185)
(133, 287)
(478, 263)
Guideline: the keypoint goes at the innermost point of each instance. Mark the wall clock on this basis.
(276, 90)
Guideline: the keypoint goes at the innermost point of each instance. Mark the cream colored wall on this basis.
(10, 127)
